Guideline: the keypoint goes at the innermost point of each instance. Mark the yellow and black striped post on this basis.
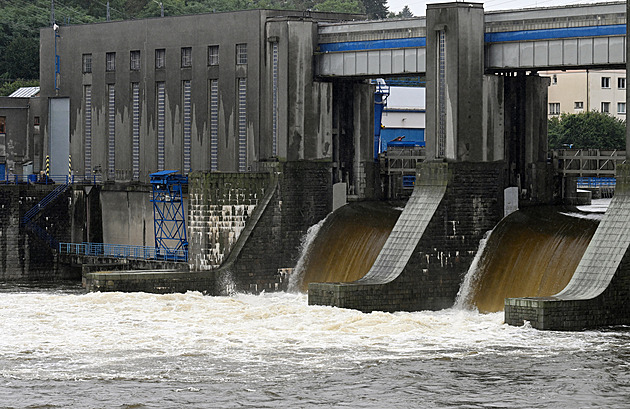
(69, 166)
(47, 165)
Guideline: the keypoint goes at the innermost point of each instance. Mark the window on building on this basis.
(554, 80)
(621, 108)
(213, 55)
(621, 83)
(578, 105)
(186, 57)
(241, 53)
(605, 82)
(554, 108)
(36, 121)
(110, 62)
(134, 60)
(606, 107)
(3, 124)
(160, 58)
(87, 63)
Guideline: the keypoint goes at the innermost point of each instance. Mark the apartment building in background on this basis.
(581, 91)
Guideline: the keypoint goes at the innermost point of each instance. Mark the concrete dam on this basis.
(531, 252)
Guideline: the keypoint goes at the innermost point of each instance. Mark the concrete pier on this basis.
(151, 281)
(599, 292)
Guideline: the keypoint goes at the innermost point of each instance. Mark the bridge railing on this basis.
(595, 182)
(123, 251)
(92, 179)
(588, 162)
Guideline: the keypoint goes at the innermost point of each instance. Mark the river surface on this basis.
(61, 348)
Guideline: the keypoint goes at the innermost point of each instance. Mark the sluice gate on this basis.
(531, 252)
(348, 243)
(432, 244)
(599, 291)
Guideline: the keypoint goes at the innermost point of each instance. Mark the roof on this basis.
(25, 92)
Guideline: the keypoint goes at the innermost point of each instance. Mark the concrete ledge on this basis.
(551, 313)
(150, 281)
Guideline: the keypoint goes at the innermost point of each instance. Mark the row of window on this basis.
(554, 107)
(160, 58)
(621, 82)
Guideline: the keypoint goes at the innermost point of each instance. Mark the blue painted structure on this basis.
(413, 137)
(121, 251)
(556, 33)
(584, 182)
(168, 215)
(373, 44)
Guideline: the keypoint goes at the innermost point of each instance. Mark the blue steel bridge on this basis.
(571, 37)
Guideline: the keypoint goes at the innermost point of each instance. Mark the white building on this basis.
(404, 115)
(582, 91)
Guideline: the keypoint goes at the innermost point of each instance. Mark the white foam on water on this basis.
(120, 336)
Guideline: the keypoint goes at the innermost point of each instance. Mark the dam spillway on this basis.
(531, 253)
(347, 243)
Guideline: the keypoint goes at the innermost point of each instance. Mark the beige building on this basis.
(580, 91)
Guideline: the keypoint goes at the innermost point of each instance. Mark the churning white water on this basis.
(64, 349)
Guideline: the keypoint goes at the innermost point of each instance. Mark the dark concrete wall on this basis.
(24, 256)
(296, 196)
(304, 105)
(526, 137)
(18, 145)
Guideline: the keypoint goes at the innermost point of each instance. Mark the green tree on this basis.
(10, 87)
(587, 130)
(340, 6)
(376, 9)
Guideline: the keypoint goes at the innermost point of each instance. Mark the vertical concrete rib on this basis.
(427, 195)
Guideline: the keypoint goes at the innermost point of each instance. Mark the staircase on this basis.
(30, 224)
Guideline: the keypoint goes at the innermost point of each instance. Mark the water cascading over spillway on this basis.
(347, 243)
(531, 253)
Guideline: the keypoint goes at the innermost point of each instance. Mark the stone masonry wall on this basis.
(220, 205)
(302, 197)
(23, 255)
(472, 205)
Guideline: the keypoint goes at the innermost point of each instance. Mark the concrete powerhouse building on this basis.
(213, 92)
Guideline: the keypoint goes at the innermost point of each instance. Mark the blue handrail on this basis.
(593, 182)
(44, 202)
(123, 251)
(91, 179)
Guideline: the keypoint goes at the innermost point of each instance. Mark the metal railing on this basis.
(594, 182)
(44, 202)
(92, 179)
(588, 162)
(123, 251)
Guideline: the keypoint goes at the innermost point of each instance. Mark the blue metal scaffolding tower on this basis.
(168, 215)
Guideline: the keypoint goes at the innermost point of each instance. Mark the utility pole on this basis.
(107, 10)
(52, 12)
(161, 7)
